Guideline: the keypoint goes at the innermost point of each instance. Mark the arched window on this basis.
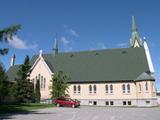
(74, 89)
(128, 88)
(44, 83)
(123, 88)
(140, 89)
(153, 87)
(39, 77)
(94, 88)
(90, 88)
(79, 89)
(33, 81)
(111, 88)
(41, 81)
(106, 88)
(146, 86)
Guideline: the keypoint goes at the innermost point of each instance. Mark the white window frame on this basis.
(106, 89)
(94, 89)
(139, 88)
(146, 86)
(44, 80)
(123, 88)
(111, 88)
(41, 80)
(78, 89)
(74, 89)
(128, 88)
(90, 89)
(153, 87)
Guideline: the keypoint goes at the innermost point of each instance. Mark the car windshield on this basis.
(68, 99)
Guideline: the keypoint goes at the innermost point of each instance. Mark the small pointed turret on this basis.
(40, 53)
(13, 60)
(55, 47)
(135, 38)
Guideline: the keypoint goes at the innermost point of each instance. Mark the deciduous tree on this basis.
(59, 84)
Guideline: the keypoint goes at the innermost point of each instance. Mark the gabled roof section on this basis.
(12, 72)
(110, 65)
(36, 60)
(144, 76)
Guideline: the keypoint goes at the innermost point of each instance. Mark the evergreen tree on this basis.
(59, 84)
(24, 89)
(6, 34)
(5, 87)
(3, 84)
(37, 92)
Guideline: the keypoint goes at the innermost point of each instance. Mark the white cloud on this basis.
(34, 46)
(124, 44)
(66, 44)
(68, 38)
(70, 31)
(64, 40)
(73, 33)
(101, 46)
(21, 44)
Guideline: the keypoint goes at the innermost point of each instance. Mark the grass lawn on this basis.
(17, 108)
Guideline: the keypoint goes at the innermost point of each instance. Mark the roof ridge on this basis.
(90, 51)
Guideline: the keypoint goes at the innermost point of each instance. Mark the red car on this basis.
(62, 101)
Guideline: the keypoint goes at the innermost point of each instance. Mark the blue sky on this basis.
(80, 24)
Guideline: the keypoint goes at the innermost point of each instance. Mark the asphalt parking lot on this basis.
(89, 113)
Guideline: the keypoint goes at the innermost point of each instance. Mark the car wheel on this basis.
(73, 106)
(58, 105)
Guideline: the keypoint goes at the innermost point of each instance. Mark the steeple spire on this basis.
(134, 27)
(55, 47)
(135, 38)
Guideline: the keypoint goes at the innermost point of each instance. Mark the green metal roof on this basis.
(144, 76)
(12, 72)
(109, 65)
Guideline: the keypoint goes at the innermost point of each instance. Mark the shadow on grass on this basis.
(8, 111)
(12, 115)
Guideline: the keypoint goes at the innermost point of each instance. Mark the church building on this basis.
(108, 77)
